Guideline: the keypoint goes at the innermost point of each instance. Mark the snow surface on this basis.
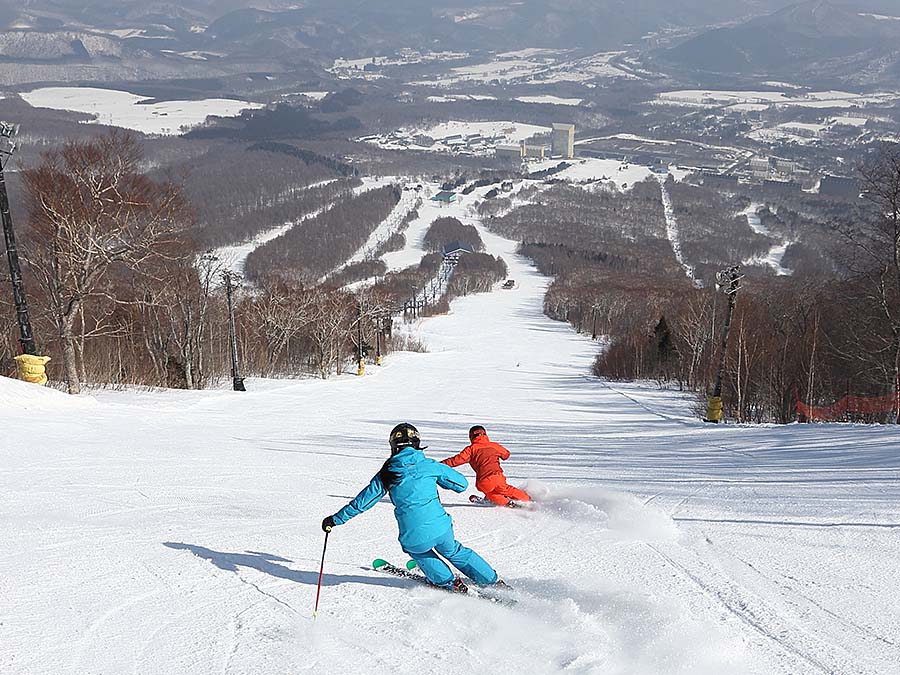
(550, 100)
(794, 99)
(800, 133)
(776, 254)
(312, 95)
(234, 256)
(535, 66)
(448, 136)
(464, 209)
(428, 212)
(672, 231)
(454, 98)
(634, 137)
(355, 68)
(167, 532)
(512, 132)
(850, 121)
(410, 200)
(881, 17)
(122, 109)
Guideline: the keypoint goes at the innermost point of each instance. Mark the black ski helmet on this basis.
(477, 431)
(403, 435)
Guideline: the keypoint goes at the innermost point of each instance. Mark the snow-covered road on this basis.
(178, 532)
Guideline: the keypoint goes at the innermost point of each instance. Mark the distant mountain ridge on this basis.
(505, 24)
(360, 25)
(800, 39)
(851, 40)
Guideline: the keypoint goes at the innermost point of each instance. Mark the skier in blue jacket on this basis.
(426, 530)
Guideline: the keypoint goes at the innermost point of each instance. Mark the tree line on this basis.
(314, 247)
(448, 230)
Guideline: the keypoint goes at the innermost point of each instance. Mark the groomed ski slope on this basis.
(166, 533)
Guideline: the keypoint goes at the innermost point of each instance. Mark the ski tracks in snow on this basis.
(748, 609)
(776, 610)
(672, 229)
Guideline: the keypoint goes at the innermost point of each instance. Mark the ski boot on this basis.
(458, 586)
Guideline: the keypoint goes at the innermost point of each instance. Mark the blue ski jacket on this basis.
(422, 520)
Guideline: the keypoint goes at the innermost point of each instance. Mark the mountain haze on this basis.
(803, 38)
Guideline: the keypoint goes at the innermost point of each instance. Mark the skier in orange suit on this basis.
(484, 456)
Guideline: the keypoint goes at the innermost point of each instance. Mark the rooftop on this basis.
(444, 196)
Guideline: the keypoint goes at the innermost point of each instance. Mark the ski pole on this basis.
(321, 570)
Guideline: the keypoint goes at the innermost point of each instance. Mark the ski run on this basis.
(178, 532)
(672, 229)
(775, 256)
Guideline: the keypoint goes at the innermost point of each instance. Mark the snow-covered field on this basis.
(511, 132)
(798, 133)
(178, 532)
(534, 66)
(589, 170)
(881, 17)
(312, 95)
(450, 136)
(370, 67)
(761, 99)
(550, 100)
(122, 109)
(454, 98)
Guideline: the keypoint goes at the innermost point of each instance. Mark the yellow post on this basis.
(362, 368)
(378, 360)
(32, 368)
(714, 411)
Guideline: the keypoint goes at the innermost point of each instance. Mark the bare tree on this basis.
(90, 211)
(281, 315)
(175, 301)
(330, 329)
(872, 256)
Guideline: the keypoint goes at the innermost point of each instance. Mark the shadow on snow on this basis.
(272, 565)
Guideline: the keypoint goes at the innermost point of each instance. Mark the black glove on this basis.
(328, 523)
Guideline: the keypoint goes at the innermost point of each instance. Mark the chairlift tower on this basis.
(237, 382)
(26, 336)
(728, 280)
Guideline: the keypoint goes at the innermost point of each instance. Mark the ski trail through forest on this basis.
(672, 229)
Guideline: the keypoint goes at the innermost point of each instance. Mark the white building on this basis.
(759, 167)
(509, 152)
(563, 144)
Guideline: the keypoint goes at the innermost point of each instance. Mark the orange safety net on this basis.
(850, 406)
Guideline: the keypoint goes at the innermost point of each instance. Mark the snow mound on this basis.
(624, 516)
(25, 397)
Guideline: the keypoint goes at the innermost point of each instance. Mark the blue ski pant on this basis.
(464, 559)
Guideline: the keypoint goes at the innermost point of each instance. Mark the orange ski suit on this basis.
(484, 456)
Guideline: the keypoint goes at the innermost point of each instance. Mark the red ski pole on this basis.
(321, 570)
